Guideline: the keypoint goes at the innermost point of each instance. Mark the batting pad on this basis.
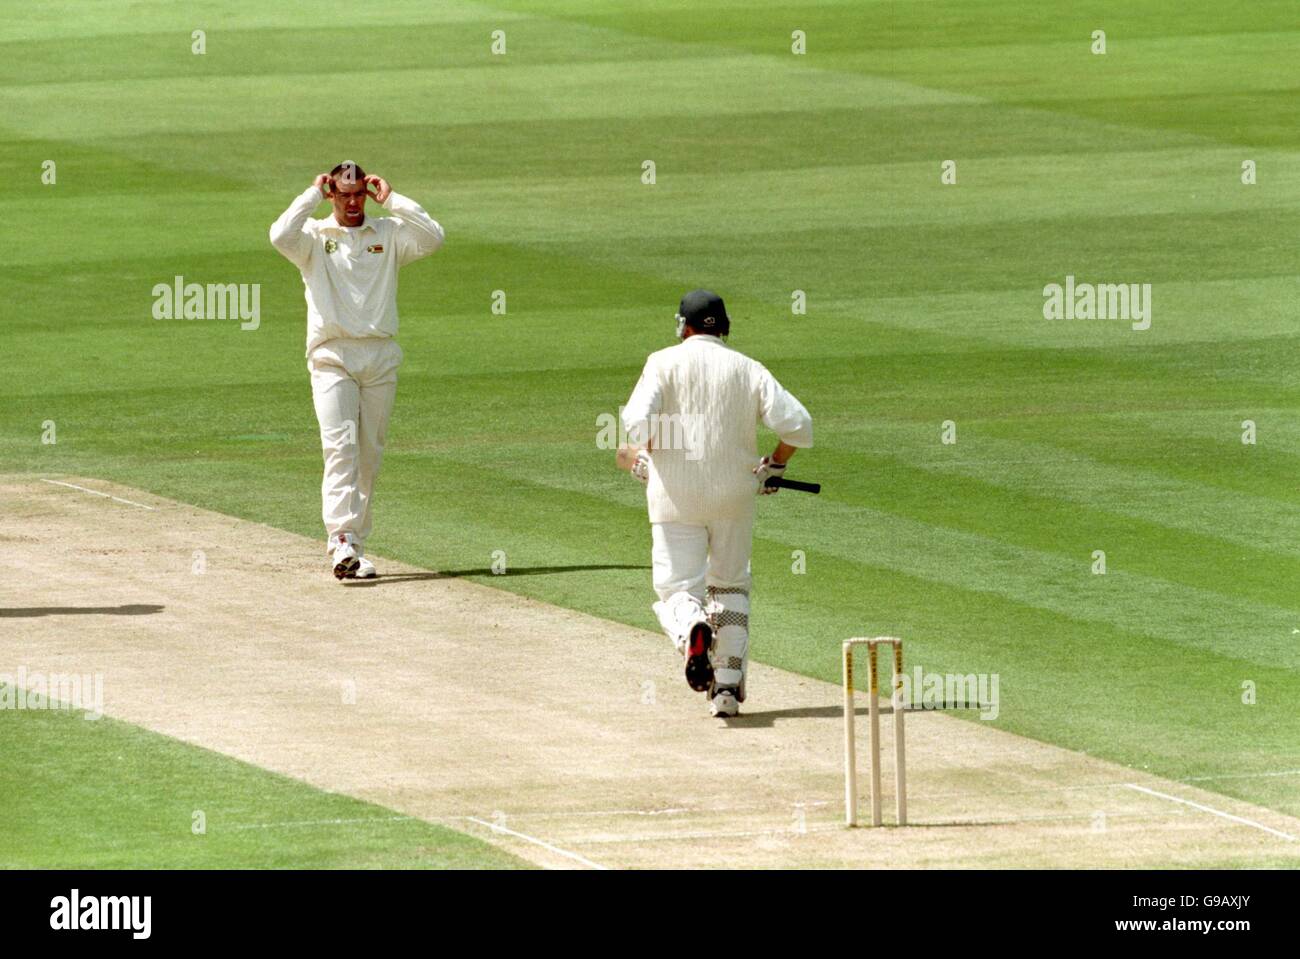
(728, 610)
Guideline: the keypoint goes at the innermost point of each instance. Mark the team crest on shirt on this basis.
(331, 246)
(375, 248)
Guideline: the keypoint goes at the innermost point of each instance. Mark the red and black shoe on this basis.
(699, 671)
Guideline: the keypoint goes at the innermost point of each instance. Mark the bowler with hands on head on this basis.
(349, 264)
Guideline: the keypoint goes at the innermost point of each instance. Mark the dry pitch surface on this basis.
(569, 740)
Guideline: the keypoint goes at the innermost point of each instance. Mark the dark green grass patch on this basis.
(78, 793)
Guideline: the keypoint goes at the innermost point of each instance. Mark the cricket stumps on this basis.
(897, 708)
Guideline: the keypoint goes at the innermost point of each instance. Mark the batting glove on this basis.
(765, 468)
(641, 466)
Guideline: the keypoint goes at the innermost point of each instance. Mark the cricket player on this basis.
(691, 424)
(349, 265)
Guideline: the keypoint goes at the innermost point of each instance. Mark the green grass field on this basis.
(108, 795)
(775, 173)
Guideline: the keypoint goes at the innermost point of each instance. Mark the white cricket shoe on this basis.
(724, 703)
(344, 556)
(365, 569)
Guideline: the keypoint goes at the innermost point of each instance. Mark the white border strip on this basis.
(95, 492)
(1212, 811)
(538, 842)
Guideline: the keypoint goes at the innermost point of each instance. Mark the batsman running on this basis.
(692, 439)
(349, 264)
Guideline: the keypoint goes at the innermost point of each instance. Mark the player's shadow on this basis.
(769, 718)
(133, 609)
(486, 571)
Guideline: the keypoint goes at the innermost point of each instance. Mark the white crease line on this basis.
(671, 811)
(840, 827)
(95, 492)
(810, 804)
(1212, 811)
(602, 813)
(721, 834)
(1032, 790)
(837, 827)
(538, 842)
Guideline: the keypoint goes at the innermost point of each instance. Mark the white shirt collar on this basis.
(332, 223)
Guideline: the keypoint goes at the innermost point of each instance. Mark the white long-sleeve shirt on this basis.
(350, 273)
(700, 403)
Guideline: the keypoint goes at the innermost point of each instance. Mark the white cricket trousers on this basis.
(709, 561)
(687, 557)
(353, 383)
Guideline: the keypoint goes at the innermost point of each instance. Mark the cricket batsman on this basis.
(691, 425)
(349, 265)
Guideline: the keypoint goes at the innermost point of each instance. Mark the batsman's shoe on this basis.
(344, 556)
(699, 670)
(724, 703)
(365, 569)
